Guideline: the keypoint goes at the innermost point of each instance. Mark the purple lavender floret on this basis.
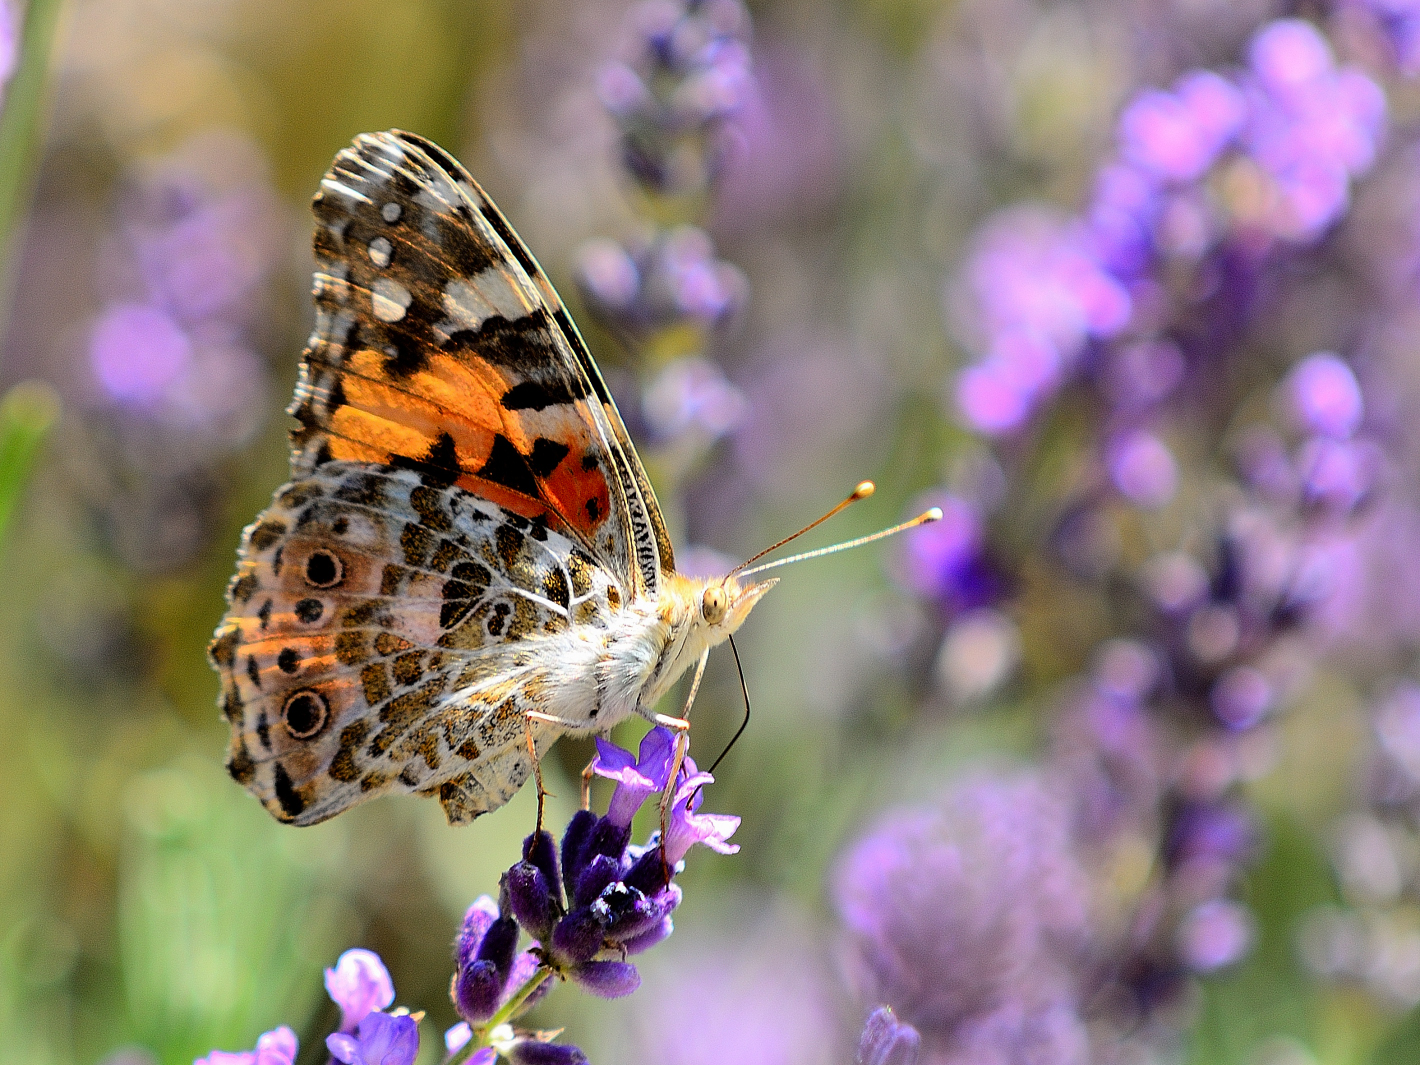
(359, 984)
(382, 1040)
(276, 1047)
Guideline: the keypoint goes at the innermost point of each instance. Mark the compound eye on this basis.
(712, 605)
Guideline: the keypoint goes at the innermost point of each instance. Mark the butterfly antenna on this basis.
(744, 688)
(863, 491)
(930, 515)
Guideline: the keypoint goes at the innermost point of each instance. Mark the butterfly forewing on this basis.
(440, 346)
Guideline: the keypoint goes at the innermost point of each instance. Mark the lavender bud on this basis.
(607, 979)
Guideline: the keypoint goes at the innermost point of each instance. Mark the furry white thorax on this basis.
(598, 677)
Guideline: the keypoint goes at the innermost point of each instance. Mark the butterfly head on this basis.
(715, 607)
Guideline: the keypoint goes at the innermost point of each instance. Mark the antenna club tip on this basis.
(864, 490)
(932, 514)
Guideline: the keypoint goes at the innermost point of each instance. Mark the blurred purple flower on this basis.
(1179, 135)
(944, 561)
(887, 1041)
(691, 398)
(276, 1047)
(1143, 469)
(673, 278)
(1037, 296)
(1325, 396)
(359, 984)
(138, 352)
(953, 910)
(1215, 934)
(382, 1040)
(10, 27)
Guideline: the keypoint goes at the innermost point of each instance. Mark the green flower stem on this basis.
(22, 126)
(27, 412)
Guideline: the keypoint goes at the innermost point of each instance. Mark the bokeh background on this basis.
(1116, 763)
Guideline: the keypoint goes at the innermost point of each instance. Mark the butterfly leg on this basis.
(537, 765)
(681, 726)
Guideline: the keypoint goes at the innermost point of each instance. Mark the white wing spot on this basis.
(391, 211)
(343, 190)
(389, 300)
(495, 291)
(380, 252)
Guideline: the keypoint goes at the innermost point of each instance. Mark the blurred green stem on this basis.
(26, 414)
(21, 129)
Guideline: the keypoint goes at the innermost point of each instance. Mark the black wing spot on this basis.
(594, 510)
(324, 570)
(309, 610)
(253, 672)
(534, 395)
(546, 456)
(439, 466)
(305, 714)
(289, 660)
(589, 462)
(291, 802)
(508, 466)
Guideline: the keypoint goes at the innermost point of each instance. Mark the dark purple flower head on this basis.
(887, 1041)
(359, 984)
(382, 1040)
(527, 1051)
(276, 1047)
(619, 898)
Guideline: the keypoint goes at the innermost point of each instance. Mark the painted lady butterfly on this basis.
(468, 560)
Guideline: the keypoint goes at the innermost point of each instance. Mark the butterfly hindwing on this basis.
(440, 346)
(380, 638)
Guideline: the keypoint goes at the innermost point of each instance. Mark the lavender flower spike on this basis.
(383, 1040)
(359, 984)
(638, 778)
(276, 1047)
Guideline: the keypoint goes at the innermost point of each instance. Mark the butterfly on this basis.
(469, 559)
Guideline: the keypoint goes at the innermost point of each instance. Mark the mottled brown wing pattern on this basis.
(439, 345)
(382, 636)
